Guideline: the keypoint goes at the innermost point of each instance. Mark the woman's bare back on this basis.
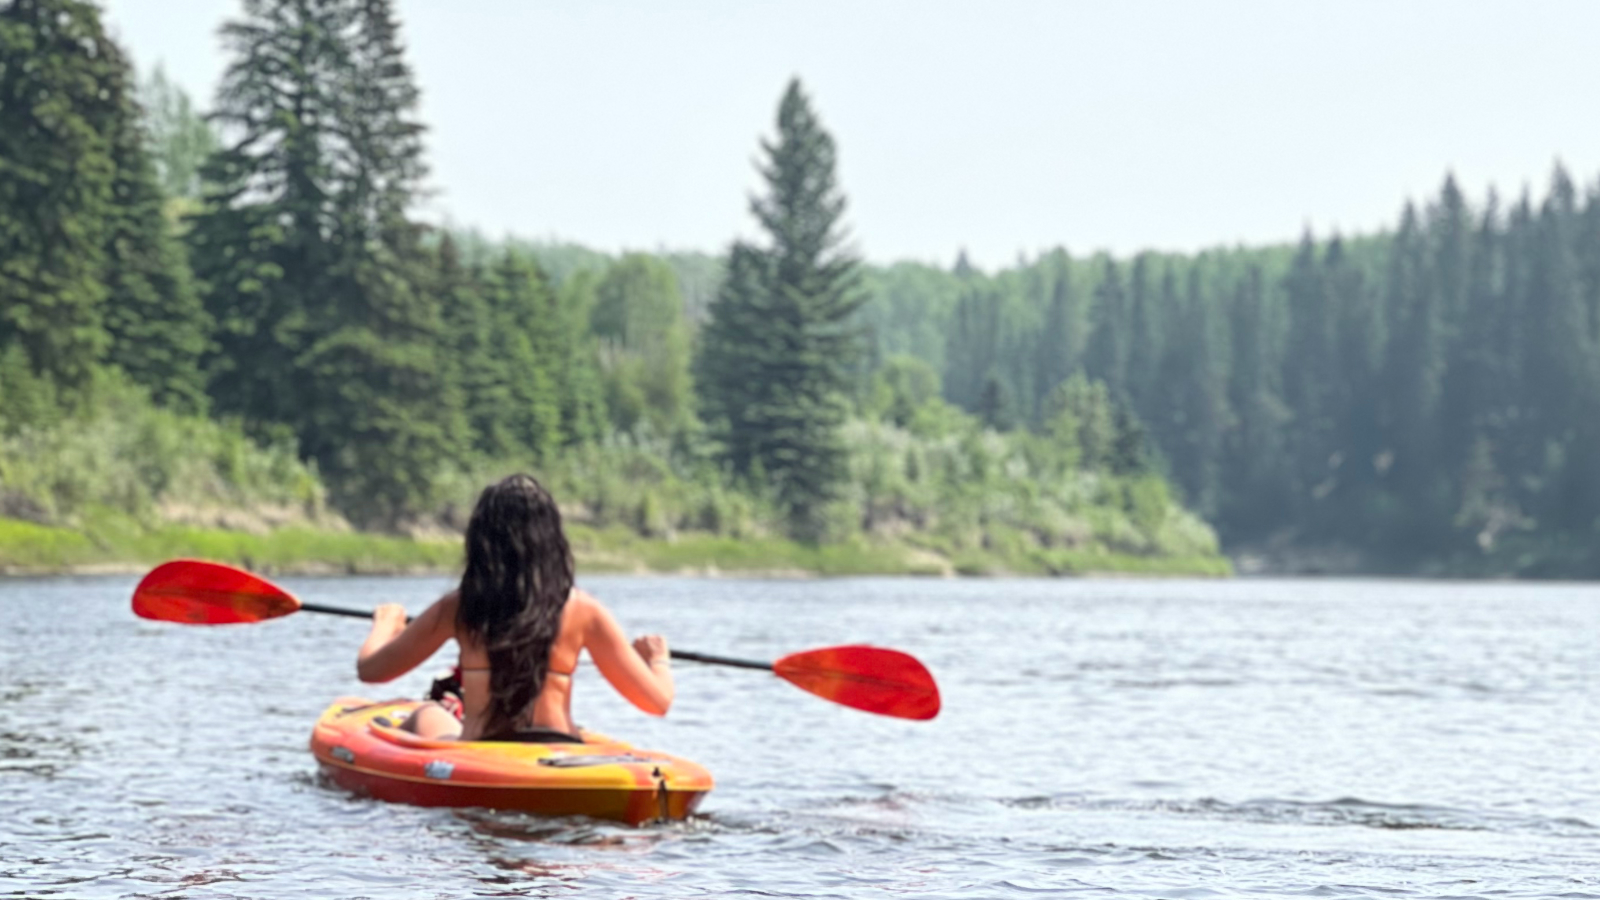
(640, 671)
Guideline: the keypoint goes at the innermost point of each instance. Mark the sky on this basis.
(1004, 127)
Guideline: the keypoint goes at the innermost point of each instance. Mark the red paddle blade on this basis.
(886, 682)
(203, 593)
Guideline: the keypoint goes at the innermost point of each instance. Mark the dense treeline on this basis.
(259, 272)
(1427, 397)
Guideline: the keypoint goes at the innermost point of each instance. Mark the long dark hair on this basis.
(519, 573)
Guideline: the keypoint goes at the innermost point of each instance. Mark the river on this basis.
(1118, 738)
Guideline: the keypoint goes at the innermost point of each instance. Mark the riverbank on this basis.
(113, 544)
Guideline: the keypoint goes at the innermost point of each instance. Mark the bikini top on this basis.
(548, 672)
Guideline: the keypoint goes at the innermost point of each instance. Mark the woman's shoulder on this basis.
(580, 600)
(583, 608)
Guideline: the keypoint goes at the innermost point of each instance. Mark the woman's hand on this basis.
(652, 648)
(390, 617)
(388, 623)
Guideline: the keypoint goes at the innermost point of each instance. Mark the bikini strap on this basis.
(547, 672)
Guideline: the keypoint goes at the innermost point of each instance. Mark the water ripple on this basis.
(1100, 739)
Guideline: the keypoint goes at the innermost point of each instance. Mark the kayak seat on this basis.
(533, 736)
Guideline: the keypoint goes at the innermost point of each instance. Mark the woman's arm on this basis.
(394, 648)
(640, 671)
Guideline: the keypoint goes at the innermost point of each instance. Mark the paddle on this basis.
(873, 679)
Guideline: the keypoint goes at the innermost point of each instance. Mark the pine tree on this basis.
(1194, 402)
(158, 325)
(58, 116)
(525, 342)
(312, 266)
(1148, 305)
(1060, 345)
(1110, 340)
(778, 400)
(1413, 374)
(1560, 365)
(1311, 377)
(1255, 472)
(973, 345)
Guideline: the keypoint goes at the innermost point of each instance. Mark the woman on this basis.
(520, 625)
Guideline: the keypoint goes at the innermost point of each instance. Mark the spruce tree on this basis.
(1310, 379)
(1256, 469)
(1061, 342)
(1414, 372)
(469, 361)
(1148, 306)
(525, 342)
(776, 355)
(157, 322)
(312, 266)
(1194, 398)
(1111, 338)
(58, 117)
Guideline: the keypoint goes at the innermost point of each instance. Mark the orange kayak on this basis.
(360, 749)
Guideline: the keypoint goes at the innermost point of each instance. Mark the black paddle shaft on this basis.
(676, 654)
(337, 611)
(720, 660)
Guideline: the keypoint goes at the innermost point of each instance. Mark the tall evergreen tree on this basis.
(1256, 471)
(1414, 373)
(1311, 378)
(89, 271)
(59, 110)
(1152, 298)
(780, 402)
(973, 344)
(158, 325)
(1110, 340)
(1194, 400)
(525, 341)
(311, 264)
(1060, 345)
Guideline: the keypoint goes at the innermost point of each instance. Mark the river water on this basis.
(1100, 738)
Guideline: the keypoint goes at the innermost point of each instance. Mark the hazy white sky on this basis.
(1001, 126)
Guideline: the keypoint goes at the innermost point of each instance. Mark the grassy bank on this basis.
(119, 484)
(28, 548)
(114, 544)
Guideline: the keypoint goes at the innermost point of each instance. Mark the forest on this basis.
(230, 318)
(224, 333)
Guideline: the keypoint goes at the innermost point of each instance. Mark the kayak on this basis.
(359, 748)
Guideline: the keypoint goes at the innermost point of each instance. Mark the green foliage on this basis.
(525, 344)
(900, 388)
(312, 267)
(776, 354)
(61, 95)
(120, 452)
(643, 337)
(157, 322)
(407, 368)
(1421, 395)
